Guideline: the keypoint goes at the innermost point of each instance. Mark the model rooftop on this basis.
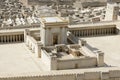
(52, 19)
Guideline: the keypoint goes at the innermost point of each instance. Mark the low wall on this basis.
(67, 75)
(46, 59)
(84, 62)
(33, 45)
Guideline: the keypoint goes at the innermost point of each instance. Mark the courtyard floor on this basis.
(110, 45)
(16, 58)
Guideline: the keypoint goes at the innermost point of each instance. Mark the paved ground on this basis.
(110, 45)
(17, 58)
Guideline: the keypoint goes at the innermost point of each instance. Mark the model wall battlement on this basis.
(66, 75)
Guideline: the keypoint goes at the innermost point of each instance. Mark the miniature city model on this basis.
(59, 41)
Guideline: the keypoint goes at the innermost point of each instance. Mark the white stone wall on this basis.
(81, 63)
(33, 45)
(46, 60)
(111, 12)
(69, 75)
(47, 36)
(49, 61)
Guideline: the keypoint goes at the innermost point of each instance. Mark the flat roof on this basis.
(110, 45)
(53, 19)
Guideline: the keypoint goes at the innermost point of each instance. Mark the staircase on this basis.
(71, 38)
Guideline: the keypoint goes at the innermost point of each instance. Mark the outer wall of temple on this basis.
(110, 75)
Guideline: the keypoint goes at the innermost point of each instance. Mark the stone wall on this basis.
(69, 75)
(84, 62)
(33, 45)
(46, 59)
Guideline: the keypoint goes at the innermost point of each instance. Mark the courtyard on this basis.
(110, 45)
(16, 58)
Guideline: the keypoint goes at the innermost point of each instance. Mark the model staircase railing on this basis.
(72, 38)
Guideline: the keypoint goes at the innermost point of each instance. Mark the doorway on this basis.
(55, 39)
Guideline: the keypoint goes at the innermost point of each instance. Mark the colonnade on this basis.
(11, 38)
(93, 32)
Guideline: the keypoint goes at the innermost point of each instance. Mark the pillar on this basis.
(10, 38)
(86, 32)
(100, 32)
(97, 31)
(7, 38)
(26, 32)
(91, 32)
(4, 38)
(19, 38)
(16, 40)
(94, 32)
(81, 32)
(22, 37)
(1, 39)
(78, 33)
(104, 31)
(111, 31)
(13, 37)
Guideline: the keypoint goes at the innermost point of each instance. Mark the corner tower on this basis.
(53, 31)
(112, 10)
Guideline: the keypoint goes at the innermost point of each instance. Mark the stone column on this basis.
(7, 39)
(26, 32)
(91, 32)
(97, 31)
(19, 38)
(1, 39)
(111, 31)
(81, 32)
(16, 38)
(22, 38)
(4, 38)
(86, 32)
(13, 36)
(100, 32)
